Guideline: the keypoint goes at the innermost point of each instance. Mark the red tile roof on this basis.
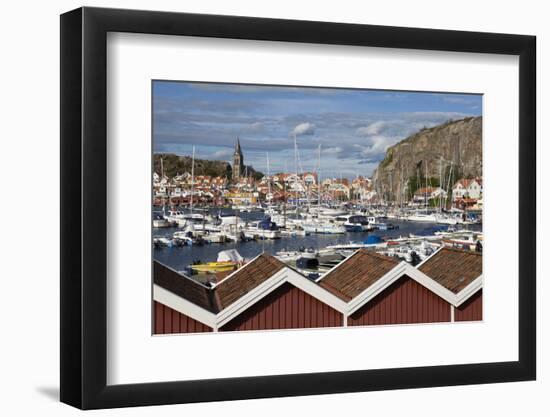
(184, 286)
(455, 269)
(357, 273)
(228, 289)
(247, 278)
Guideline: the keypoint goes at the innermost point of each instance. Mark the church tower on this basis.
(238, 161)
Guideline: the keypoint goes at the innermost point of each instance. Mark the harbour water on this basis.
(180, 257)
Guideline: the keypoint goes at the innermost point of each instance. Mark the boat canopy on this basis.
(373, 239)
(230, 255)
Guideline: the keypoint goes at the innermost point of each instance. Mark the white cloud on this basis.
(305, 128)
(372, 129)
(331, 150)
(222, 154)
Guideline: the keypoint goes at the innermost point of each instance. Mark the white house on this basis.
(310, 178)
(468, 188)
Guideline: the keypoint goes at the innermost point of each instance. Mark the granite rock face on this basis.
(456, 144)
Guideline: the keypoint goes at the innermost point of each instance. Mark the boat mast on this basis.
(319, 179)
(440, 184)
(192, 180)
(449, 184)
(296, 168)
(284, 205)
(268, 177)
(426, 189)
(161, 178)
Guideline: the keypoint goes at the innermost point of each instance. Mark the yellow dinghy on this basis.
(213, 267)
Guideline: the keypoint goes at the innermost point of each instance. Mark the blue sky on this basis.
(353, 127)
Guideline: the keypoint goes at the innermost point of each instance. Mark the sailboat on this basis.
(193, 217)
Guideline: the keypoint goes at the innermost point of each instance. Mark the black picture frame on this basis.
(84, 207)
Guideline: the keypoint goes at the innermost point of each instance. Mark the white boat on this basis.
(230, 255)
(182, 238)
(162, 242)
(293, 231)
(422, 217)
(442, 219)
(196, 217)
(327, 211)
(159, 221)
(323, 228)
(177, 217)
(231, 236)
(231, 223)
(215, 237)
(358, 245)
(255, 231)
(294, 255)
(356, 222)
(464, 241)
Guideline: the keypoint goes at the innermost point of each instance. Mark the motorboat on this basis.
(162, 242)
(176, 217)
(355, 223)
(262, 229)
(159, 221)
(323, 227)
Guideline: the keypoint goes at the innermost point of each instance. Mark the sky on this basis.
(353, 126)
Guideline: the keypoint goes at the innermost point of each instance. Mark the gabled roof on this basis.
(245, 279)
(224, 293)
(454, 269)
(357, 273)
(184, 287)
(453, 275)
(466, 182)
(217, 305)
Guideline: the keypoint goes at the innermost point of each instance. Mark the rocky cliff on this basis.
(453, 149)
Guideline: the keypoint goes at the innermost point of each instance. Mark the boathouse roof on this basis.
(246, 278)
(357, 273)
(454, 269)
(184, 287)
(225, 292)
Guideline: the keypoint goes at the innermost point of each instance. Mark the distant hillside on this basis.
(175, 164)
(455, 144)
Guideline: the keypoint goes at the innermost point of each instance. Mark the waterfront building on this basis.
(365, 289)
(468, 188)
(265, 294)
(242, 198)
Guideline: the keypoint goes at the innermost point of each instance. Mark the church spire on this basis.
(238, 161)
(238, 146)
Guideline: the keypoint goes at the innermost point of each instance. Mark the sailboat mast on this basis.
(449, 185)
(426, 189)
(440, 184)
(161, 178)
(268, 176)
(319, 179)
(192, 180)
(296, 168)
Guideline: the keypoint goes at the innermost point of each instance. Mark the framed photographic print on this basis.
(334, 207)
